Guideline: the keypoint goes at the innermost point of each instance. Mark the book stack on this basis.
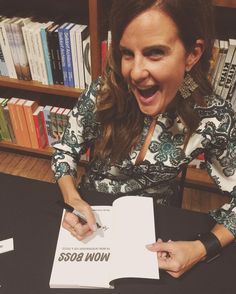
(222, 72)
(26, 123)
(47, 52)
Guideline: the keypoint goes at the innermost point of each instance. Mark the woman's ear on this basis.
(195, 54)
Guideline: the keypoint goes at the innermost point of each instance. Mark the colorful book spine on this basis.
(15, 120)
(9, 123)
(29, 107)
(46, 51)
(20, 48)
(62, 48)
(3, 123)
(53, 116)
(68, 54)
(48, 123)
(3, 66)
(7, 51)
(22, 123)
(15, 57)
(40, 127)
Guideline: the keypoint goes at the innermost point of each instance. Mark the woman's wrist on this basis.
(212, 245)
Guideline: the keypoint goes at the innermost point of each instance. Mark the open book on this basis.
(116, 250)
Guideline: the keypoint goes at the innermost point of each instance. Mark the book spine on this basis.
(14, 54)
(39, 127)
(46, 55)
(48, 124)
(28, 51)
(221, 65)
(69, 63)
(14, 119)
(54, 123)
(21, 51)
(22, 124)
(7, 53)
(74, 55)
(61, 39)
(225, 69)
(79, 35)
(3, 66)
(28, 111)
(3, 124)
(58, 57)
(40, 55)
(9, 123)
(229, 78)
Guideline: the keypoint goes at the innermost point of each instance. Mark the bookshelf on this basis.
(95, 12)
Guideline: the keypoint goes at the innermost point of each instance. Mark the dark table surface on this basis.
(29, 214)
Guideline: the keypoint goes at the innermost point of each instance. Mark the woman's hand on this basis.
(73, 224)
(177, 257)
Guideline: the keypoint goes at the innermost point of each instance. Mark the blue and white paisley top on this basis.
(164, 159)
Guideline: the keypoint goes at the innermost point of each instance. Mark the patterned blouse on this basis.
(164, 159)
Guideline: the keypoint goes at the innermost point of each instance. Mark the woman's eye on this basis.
(126, 53)
(155, 53)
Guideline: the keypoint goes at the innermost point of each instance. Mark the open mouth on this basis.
(148, 92)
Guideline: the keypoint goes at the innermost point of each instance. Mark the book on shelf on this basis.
(46, 50)
(19, 48)
(80, 35)
(6, 50)
(65, 117)
(230, 78)
(53, 117)
(61, 38)
(74, 55)
(3, 66)
(224, 45)
(14, 119)
(30, 48)
(5, 134)
(39, 123)
(24, 132)
(116, 250)
(59, 119)
(226, 66)
(6, 26)
(48, 123)
(55, 56)
(68, 53)
(40, 54)
(29, 107)
(9, 123)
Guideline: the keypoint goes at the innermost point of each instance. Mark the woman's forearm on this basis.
(68, 188)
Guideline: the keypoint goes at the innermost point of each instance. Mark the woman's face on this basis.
(153, 60)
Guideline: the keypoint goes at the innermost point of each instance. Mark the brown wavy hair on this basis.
(118, 112)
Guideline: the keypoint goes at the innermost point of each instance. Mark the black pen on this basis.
(71, 209)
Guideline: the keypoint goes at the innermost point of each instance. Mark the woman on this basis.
(152, 114)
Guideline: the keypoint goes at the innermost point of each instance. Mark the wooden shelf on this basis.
(7, 145)
(38, 87)
(225, 3)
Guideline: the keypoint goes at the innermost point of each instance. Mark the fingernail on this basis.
(149, 246)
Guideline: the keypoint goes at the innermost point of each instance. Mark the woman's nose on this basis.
(139, 70)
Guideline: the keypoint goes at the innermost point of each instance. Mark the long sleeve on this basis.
(81, 131)
(220, 139)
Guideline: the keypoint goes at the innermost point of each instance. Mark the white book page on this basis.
(133, 227)
(84, 263)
